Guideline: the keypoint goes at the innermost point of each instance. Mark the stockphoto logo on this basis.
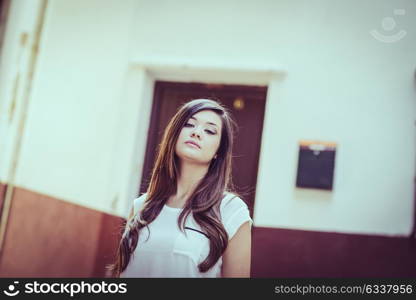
(11, 289)
(71, 289)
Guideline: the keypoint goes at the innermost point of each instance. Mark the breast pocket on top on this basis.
(194, 244)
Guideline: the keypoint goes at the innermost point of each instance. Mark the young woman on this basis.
(189, 223)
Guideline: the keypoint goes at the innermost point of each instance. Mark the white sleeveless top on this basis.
(168, 252)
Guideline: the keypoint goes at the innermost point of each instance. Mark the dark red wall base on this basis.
(3, 188)
(298, 253)
(48, 237)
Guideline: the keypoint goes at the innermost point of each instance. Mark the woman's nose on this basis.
(196, 133)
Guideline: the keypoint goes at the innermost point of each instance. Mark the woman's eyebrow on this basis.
(207, 122)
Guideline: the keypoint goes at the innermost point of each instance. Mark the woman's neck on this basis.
(190, 176)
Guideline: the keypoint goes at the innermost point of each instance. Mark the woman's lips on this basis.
(192, 145)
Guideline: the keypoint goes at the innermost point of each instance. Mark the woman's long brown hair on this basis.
(203, 203)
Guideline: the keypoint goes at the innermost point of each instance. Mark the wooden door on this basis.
(246, 104)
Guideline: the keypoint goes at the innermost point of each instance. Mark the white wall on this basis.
(77, 103)
(342, 85)
(16, 63)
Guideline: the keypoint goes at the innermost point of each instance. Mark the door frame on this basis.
(139, 92)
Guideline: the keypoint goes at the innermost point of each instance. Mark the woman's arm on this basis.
(236, 260)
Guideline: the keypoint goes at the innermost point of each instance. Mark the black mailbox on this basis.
(316, 164)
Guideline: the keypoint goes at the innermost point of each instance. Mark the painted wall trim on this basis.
(139, 83)
(214, 71)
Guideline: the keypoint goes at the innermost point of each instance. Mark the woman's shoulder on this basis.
(234, 213)
(138, 202)
(230, 204)
(232, 200)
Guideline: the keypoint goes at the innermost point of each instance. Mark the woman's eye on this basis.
(192, 125)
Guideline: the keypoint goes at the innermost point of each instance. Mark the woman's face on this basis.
(203, 128)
